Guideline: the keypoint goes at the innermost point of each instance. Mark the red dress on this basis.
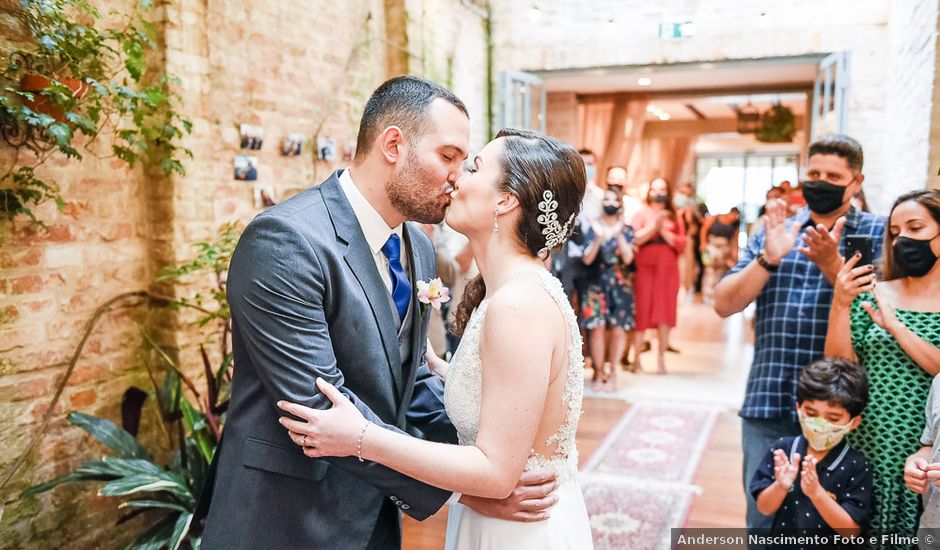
(656, 281)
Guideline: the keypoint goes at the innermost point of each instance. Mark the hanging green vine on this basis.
(73, 74)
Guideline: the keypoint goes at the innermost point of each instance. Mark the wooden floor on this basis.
(711, 358)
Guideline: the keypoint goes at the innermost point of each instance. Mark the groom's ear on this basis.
(392, 144)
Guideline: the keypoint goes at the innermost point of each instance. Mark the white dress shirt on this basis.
(377, 233)
(373, 227)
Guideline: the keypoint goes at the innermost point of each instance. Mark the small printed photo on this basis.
(264, 195)
(251, 136)
(246, 168)
(349, 150)
(292, 145)
(326, 149)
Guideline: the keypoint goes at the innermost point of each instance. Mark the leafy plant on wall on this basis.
(777, 124)
(77, 71)
(190, 417)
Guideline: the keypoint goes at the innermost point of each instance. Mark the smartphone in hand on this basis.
(858, 243)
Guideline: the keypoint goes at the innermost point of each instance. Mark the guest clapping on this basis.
(892, 328)
(660, 234)
(607, 303)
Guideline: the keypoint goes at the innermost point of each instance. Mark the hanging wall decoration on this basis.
(326, 148)
(349, 150)
(777, 125)
(246, 168)
(292, 145)
(263, 195)
(251, 136)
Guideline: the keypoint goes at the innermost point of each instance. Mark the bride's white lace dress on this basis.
(568, 526)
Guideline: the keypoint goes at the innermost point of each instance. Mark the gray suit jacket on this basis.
(307, 301)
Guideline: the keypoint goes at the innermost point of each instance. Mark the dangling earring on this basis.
(496, 220)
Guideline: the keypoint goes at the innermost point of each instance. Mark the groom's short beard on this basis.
(409, 196)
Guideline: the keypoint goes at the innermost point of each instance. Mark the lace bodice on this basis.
(463, 389)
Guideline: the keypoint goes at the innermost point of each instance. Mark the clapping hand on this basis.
(822, 245)
(778, 241)
(333, 432)
(884, 316)
(785, 470)
(915, 474)
(852, 281)
(809, 480)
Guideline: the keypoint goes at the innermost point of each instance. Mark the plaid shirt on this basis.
(792, 317)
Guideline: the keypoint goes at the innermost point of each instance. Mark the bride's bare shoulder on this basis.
(525, 299)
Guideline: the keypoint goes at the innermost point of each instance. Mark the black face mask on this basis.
(611, 209)
(823, 197)
(913, 257)
(660, 198)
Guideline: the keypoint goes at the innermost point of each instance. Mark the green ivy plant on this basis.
(67, 44)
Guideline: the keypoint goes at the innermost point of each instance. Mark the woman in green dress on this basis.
(892, 328)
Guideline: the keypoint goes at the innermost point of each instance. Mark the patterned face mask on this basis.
(821, 434)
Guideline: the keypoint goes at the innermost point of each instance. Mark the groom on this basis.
(322, 285)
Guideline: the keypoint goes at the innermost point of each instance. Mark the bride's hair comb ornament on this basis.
(554, 232)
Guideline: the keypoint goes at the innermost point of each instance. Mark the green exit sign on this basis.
(676, 30)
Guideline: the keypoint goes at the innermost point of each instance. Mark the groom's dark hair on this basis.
(402, 101)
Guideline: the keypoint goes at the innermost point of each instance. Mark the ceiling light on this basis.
(663, 116)
(644, 81)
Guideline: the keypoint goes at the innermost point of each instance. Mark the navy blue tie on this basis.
(401, 288)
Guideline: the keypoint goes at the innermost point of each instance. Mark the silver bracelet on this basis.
(359, 445)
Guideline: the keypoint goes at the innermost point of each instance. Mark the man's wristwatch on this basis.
(762, 261)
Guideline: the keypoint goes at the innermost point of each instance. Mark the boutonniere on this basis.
(433, 293)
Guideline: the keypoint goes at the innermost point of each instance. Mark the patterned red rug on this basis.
(638, 484)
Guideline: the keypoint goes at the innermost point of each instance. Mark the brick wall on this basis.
(292, 66)
(891, 45)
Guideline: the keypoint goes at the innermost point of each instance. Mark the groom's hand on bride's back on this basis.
(529, 501)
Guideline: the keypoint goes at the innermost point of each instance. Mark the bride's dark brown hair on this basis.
(531, 163)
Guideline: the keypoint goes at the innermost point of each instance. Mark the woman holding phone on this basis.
(892, 329)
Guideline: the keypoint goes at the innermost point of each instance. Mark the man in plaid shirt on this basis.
(793, 287)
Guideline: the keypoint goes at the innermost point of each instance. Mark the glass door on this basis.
(830, 92)
(522, 101)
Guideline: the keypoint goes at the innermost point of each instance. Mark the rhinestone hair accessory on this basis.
(554, 232)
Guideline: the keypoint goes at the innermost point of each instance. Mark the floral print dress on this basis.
(608, 298)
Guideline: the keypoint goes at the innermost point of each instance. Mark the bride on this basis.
(513, 389)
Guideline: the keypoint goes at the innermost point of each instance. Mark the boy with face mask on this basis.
(788, 268)
(815, 483)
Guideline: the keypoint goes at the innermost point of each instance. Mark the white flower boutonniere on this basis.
(433, 293)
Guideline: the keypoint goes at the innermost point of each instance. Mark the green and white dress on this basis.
(893, 421)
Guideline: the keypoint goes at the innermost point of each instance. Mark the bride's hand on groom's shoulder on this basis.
(331, 432)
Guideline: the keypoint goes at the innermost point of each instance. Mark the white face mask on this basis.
(821, 434)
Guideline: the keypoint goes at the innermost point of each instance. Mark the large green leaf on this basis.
(196, 422)
(180, 530)
(153, 504)
(157, 537)
(169, 482)
(70, 477)
(98, 470)
(120, 467)
(107, 432)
